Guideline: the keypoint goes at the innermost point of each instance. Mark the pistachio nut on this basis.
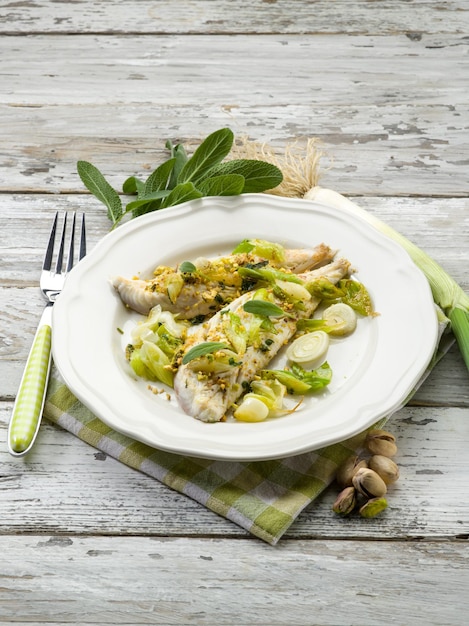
(345, 501)
(370, 484)
(373, 507)
(385, 467)
(348, 468)
(381, 442)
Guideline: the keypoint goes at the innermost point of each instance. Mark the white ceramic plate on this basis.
(374, 369)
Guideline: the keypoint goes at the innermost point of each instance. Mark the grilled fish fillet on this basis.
(209, 397)
(215, 284)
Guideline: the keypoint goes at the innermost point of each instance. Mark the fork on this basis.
(29, 404)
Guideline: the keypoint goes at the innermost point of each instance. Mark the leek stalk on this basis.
(447, 294)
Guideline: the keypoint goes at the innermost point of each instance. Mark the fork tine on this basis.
(83, 238)
(50, 246)
(71, 246)
(60, 256)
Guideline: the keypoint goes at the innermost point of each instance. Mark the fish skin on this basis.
(205, 298)
(208, 400)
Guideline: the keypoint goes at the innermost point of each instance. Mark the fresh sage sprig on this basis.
(181, 178)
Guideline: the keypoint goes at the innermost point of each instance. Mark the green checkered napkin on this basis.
(264, 497)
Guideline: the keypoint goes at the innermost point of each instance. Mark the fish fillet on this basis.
(215, 284)
(209, 397)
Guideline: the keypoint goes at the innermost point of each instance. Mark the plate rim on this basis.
(179, 212)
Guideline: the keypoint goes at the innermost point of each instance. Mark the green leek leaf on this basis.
(268, 274)
(459, 319)
(299, 381)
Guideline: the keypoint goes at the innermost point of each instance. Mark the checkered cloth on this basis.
(264, 497)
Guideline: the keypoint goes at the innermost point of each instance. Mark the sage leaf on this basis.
(177, 152)
(203, 348)
(210, 152)
(159, 179)
(258, 175)
(133, 185)
(265, 309)
(95, 182)
(187, 267)
(181, 193)
(149, 199)
(228, 185)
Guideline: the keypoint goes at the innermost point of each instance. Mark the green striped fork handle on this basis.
(29, 404)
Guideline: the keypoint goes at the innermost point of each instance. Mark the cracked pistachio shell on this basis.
(373, 507)
(347, 470)
(369, 483)
(381, 442)
(345, 501)
(385, 467)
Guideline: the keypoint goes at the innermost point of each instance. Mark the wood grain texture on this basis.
(206, 581)
(391, 123)
(255, 16)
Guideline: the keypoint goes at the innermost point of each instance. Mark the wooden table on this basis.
(384, 85)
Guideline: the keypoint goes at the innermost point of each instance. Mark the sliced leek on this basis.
(251, 409)
(299, 381)
(341, 317)
(296, 292)
(310, 350)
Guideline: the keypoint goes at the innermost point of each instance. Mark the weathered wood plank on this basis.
(227, 70)
(66, 486)
(59, 579)
(396, 127)
(388, 148)
(253, 16)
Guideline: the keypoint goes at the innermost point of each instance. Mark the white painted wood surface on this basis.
(384, 85)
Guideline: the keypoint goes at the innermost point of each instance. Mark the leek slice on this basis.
(174, 287)
(341, 317)
(310, 350)
(293, 290)
(150, 362)
(235, 331)
(251, 409)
